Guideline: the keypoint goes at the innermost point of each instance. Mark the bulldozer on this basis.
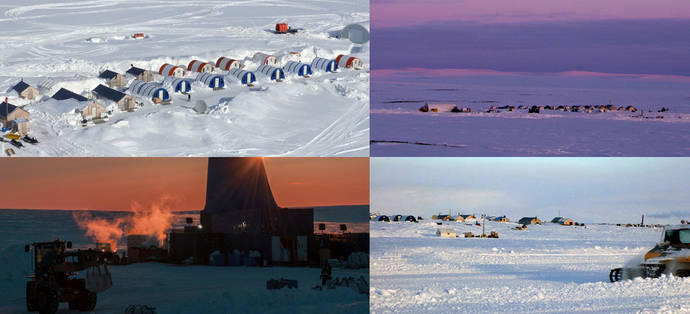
(55, 280)
(670, 256)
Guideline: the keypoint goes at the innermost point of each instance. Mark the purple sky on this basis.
(539, 36)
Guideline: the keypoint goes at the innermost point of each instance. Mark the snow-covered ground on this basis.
(399, 129)
(547, 268)
(169, 288)
(70, 42)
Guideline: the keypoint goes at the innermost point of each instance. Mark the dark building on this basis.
(241, 214)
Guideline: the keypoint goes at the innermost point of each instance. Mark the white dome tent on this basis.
(225, 64)
(357, 33)
(172, 70)
(273, 73)
(214, 81)
(200, 66)
(154, 91)
(299, 68)
(262, 58)
(179, 85)
(242, 76)
(324, 64)
(349, 62)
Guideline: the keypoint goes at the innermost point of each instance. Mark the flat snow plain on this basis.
(70, 42)
(548, 268)
(399, 129)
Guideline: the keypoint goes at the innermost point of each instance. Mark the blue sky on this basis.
(585, 189)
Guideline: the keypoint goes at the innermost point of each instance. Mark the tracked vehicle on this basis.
(670, 256)
(55, 277)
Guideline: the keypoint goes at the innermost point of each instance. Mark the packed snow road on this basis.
(70, 43)
(549, 268)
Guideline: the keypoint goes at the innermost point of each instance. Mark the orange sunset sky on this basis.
(115, 183)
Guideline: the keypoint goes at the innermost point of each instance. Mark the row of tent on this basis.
(406, 218)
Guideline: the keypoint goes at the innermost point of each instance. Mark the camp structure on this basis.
(26, 91)
(467, 217)
(529, 221)
(241, 215)
(301, 69)
(499, 218)
(177, 84)
(200, 66)
(242, 76)
(563, 221)
(14, 118)
(154, 91)
(214, 81)
(271, 72)
(140, 74)
(349, 62)
(407, 218)
(262, 58)
(171, 70)
(89, 109)
(357, 33)
(113, 79)
(437, 107)
(225, 64)
(382, 218)
(446, 233)
(457, 218)
(124, 102)
(323, 64)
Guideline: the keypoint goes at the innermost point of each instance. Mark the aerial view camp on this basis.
(534, 78)
(186, 235)
(526, 235)
(181, 78)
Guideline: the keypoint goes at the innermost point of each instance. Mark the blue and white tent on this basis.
(299, 68)
(324, 64)
(244, 77)
(179, 85)
(214, 81)
(273, 73)
(151, 90)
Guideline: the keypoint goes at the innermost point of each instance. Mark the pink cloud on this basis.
(423, 72)
(388, 13)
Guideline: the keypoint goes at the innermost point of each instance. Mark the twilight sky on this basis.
(114, 183)
(536, 36)
(614, 190)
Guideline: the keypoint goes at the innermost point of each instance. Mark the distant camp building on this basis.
(153, 91)
(530, 221)
(113, 79)
(140, 74)
(14, 118)
(124, 102)
(26, 91)
(563, 221)
(408, 218)
(214, 81)
(323, 64)
(458, 218)
(177, 84)
(89, 109)
(349, 62)
(301, 69)
(500, 219)
(468, 216)
(262, 58)
(446, 233)
(382, 218)
(171, 70)
(242, 76)
(200, 66)
(271, 72)
(225, 64)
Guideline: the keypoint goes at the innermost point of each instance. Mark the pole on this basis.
(483, 225)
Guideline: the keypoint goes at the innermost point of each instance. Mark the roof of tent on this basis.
(147, 89)
(109, 93)
(107, 74)
(64, 94)
(135, 71)
(21, 86)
